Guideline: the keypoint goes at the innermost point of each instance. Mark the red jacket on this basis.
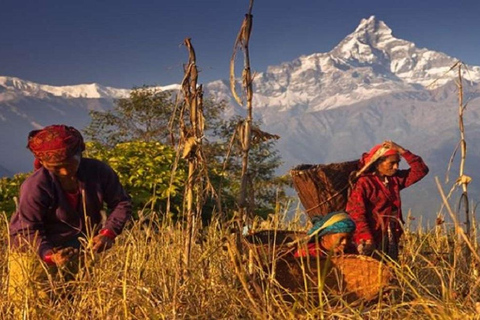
(372, 205)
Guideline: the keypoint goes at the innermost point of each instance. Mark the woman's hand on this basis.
(366, 248)
(389, 144)
(62, 256)
(101, 243)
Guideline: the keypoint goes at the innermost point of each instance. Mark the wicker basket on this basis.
(350, 277)
(323, 188)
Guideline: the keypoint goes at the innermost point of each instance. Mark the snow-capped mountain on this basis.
(373, 46)
(327, 107)
(369, 62)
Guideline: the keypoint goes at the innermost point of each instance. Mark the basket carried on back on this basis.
(352, 277)
(323, 188)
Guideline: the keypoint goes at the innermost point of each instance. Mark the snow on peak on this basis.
(372, 26)
(368, 43)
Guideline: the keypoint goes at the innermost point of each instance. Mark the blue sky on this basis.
(131, 43)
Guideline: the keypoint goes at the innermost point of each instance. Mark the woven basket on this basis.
(323, 188)
(351, 277)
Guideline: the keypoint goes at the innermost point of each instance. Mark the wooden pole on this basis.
(463, 148)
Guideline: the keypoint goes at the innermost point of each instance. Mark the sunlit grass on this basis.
(143, 277)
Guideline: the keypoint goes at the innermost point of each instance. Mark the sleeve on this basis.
(118, 202)
(357, 209)
(27, 226)
(418, 169)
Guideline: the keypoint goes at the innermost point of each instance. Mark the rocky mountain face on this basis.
(327, 107)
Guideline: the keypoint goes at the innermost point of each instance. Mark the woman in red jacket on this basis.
(374, 202)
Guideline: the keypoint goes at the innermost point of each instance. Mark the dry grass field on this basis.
(143, 277)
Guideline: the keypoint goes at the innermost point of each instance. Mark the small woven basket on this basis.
(323, 188)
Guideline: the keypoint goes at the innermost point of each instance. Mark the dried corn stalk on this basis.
(245, 131)
(191, 137)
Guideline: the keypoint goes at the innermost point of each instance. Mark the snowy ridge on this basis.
(93, 90)
(367, 63)
(13, 86)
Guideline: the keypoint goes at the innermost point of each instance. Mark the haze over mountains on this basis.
(327, 107)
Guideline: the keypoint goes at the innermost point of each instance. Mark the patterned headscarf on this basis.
(55, 143)
(334, 222)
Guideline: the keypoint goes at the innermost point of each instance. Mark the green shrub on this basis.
(9, 190)
(145, 171)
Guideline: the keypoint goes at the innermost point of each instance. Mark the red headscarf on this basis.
(54, 143)
(367, 157)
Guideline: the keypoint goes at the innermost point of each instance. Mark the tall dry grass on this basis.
(141, 278)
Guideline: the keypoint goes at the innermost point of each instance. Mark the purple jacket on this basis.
(44, 212)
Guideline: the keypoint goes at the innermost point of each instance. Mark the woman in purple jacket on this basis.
(61, 203)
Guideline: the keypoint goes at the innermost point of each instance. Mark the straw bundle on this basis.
(323, 188)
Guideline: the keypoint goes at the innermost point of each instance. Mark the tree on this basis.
(144, 116)
(148, 114)
(145, 171)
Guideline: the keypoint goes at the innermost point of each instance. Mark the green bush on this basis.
(145, 171)
(9, 190)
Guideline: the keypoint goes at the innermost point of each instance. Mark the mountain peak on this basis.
(372, 32)
(368, 43)
(373, 46)
(372, 26)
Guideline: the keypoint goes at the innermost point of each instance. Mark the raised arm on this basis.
(418, 168)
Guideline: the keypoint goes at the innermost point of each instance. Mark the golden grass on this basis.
(142, 278)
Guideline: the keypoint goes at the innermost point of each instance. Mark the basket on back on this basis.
(323, 188)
